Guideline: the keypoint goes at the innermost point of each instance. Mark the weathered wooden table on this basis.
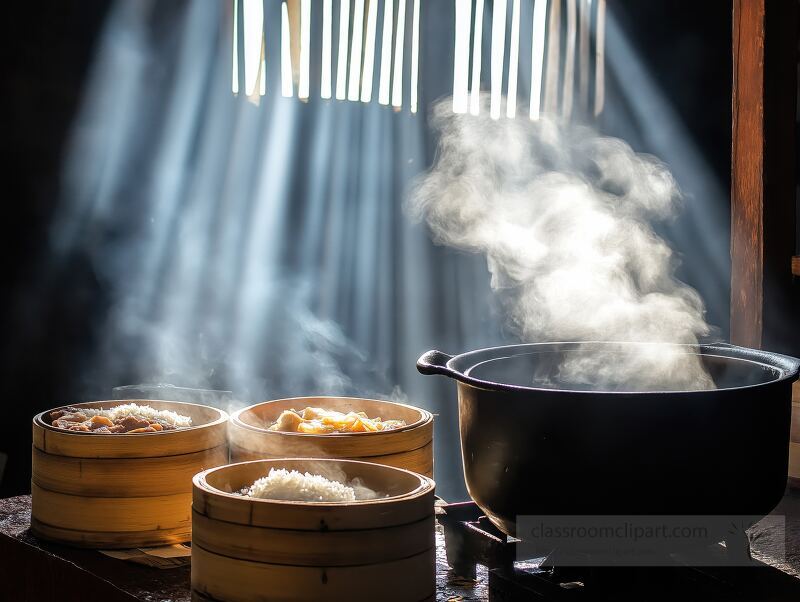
(32, 570)
(37, 571)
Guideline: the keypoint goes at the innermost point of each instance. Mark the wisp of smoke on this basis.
(564, 217)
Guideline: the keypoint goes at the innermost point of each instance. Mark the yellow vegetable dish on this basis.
(316, 421)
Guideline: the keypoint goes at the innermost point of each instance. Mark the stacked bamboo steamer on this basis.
(409, 447)
(122, 490)
(247, 549)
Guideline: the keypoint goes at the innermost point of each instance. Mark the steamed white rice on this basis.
(282, 484)
(145, 411)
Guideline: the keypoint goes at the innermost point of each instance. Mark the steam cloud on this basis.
(563, 216)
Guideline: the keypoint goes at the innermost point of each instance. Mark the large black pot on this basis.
(545, 451)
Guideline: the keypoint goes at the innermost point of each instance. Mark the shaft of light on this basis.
(287, 86)
(498, 55)
(400, 38)
(386, 53)
(553, 66)
(537, 55)
(599, 54)
(305, 49)
(569, 60)
(584, 18)
(235, 45)
(369, 52)
(356, 46)
(327, 27)
(477, 43)
(262, 75)
(415, 57)
(461, 56)
(513, 63)
(253, 36)
(344, 36)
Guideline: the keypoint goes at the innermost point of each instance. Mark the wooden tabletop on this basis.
(34, 570)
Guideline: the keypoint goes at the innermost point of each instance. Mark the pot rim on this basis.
(437, 362)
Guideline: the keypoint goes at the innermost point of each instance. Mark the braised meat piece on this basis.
(77, 426)
(130, 423)
(68, 413)
(70, 425)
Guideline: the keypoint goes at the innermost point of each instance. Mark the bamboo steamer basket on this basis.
(409, 447)
(120, 490)
(794, 439)
(247, 549)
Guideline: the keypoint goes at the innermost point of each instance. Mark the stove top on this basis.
(472, 540)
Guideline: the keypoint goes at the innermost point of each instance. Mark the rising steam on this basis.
(563, 216)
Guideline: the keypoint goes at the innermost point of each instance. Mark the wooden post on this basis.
(762, 167)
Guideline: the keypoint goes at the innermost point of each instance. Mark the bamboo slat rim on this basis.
(425, 415)
(96, 513)
(110, 539)
(105, 477)
(296, 547)
(57, 441)
(201, 557)
(222, 505)
(200, 482)
(418, 460)
(110, 403)
(368, 458)
(352, 530)
(431, 548)
(392, 441)
(198, 597)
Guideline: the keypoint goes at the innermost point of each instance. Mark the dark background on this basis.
(49, 52)
(48, 55)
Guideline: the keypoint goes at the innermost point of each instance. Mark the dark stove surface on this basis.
(471, 540)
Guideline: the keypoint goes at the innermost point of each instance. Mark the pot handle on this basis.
(435, 362)
(794, 365)
(785, 362)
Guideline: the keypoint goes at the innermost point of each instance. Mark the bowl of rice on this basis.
(370, 430)
(118, 474)
(312, 529)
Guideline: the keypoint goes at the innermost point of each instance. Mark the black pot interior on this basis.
(541, 369)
